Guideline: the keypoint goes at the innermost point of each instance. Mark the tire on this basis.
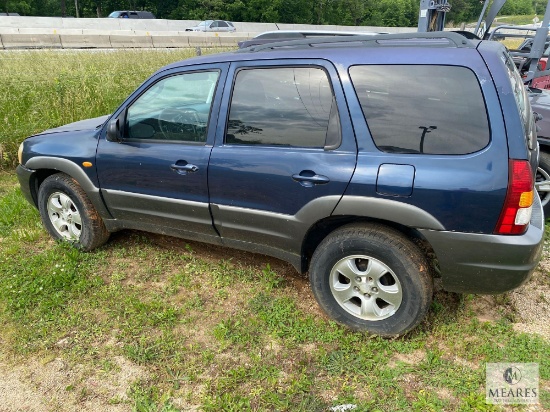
(372, 278)
(68, 214)
(543, 182)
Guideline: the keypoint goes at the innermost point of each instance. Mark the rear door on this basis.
(283, 155)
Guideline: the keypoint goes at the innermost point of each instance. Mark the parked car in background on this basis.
(540, 102)
(350, 158)
(522, 63)
(213, 26)
(284, 35)
(125, 14)
(539, 98)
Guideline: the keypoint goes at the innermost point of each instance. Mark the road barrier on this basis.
(18, 32)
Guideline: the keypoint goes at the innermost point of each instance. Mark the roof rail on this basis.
(429, 39)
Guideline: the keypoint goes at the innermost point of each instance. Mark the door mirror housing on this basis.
(114, 131)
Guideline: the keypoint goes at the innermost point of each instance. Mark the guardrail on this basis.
(18, 32)
(94, 41)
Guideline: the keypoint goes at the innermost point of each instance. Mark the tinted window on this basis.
(422, 109)
(522, 99)
(222, 24)
(175, 108)
(281, 106)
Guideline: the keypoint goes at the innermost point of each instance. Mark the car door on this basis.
(213, 26)
(222, 26)
(284, 154)
(156, 175)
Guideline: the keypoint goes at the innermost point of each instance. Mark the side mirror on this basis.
(113, 131)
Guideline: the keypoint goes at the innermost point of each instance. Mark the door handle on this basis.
(308, 178)
(184, 169)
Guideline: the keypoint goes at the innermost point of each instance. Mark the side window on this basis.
(287, 106)
(522, 100)
(222, 24)
(175, 108)
(422, 109)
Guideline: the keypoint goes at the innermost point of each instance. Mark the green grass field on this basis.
(45, 89)
(152, 323)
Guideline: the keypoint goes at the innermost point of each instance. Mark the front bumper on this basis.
(27, 182)
(488, 264)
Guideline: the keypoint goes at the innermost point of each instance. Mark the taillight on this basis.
(516, 213)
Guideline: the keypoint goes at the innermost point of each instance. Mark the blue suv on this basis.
(375, 163)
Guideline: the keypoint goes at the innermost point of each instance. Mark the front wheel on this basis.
(372, 278)
(68, 214)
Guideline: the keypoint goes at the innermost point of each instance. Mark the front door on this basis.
(157, 175)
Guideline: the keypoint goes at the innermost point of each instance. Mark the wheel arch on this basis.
(324, 227)
(47, 166)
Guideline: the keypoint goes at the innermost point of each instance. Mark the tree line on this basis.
(389, 13)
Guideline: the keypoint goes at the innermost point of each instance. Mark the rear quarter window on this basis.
(522, 100)
(425, 109)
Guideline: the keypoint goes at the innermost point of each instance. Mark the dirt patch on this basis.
(532, 305)
(527, 307)
(486, 309)
(56, 385)
(413, 358)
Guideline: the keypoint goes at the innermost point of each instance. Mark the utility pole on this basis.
(76, 7)
(63, 9)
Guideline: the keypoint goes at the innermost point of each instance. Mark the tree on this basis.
(17, 6)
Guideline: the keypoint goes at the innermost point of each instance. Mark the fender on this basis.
(387, 209)
(75, 171)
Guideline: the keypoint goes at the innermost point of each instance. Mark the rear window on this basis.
(425, 109)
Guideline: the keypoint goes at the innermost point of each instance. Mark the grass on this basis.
(221, 333)
(152, 323)
(518, 19)
(45, 89)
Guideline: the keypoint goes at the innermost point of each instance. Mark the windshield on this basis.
(205, 23)
(114, 14)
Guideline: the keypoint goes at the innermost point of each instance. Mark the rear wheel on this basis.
(68, 214)
(372, 278)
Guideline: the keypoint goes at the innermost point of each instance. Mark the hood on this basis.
(88, 124)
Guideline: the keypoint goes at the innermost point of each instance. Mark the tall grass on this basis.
(45, 89)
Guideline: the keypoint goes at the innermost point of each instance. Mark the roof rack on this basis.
(429, 39)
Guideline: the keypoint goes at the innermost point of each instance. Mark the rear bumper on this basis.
(488, 264)
(26, 181)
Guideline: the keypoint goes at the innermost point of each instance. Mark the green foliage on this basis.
(149, 399)
(47, 89)
(517, 7)
(381, 13)
(217, 333)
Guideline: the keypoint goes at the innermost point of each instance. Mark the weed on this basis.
(168, 312)
(46, 89)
